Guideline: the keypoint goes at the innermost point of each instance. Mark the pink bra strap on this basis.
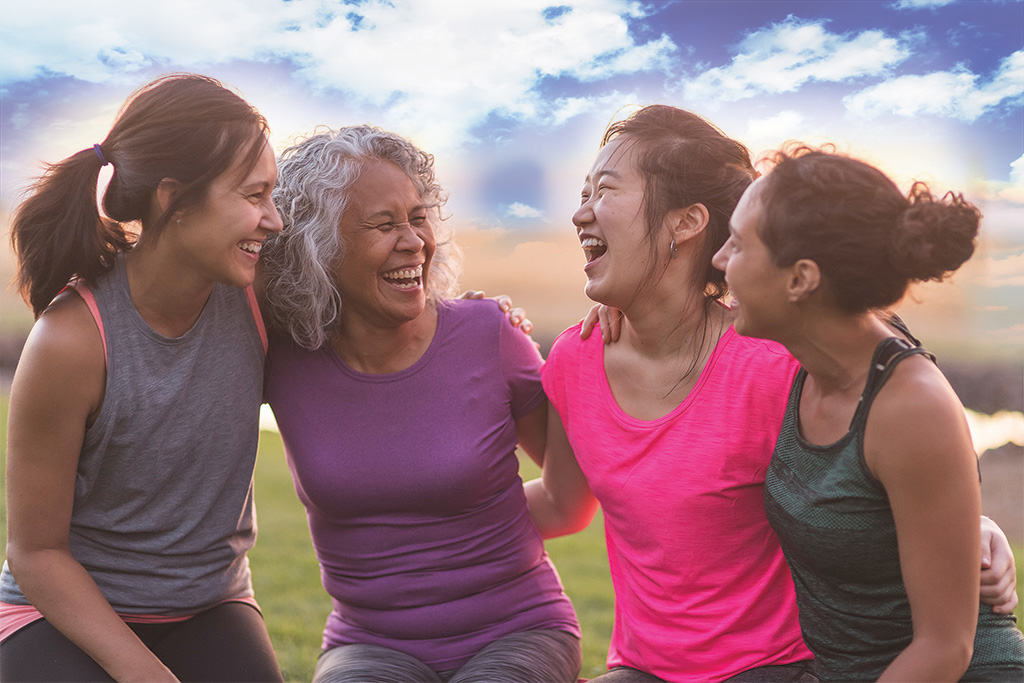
(78, 284)
(254, 306)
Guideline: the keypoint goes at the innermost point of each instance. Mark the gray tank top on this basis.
(163, 512)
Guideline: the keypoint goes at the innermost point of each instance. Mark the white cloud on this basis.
(922, 4)
(784, 56)
(956, 93)
(770, 132)
(434, 70)
(520, 210)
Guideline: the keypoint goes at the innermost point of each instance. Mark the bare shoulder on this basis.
(917, 421)
(63, 355)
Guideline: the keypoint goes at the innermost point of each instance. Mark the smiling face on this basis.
(758, 286)
(221, 238)
(611, 226)
(389, 242)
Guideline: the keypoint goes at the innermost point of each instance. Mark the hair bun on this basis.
(934, 237)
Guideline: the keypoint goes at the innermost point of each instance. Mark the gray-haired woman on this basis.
(400, 411)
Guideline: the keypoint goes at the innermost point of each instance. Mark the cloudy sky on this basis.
(512, 96)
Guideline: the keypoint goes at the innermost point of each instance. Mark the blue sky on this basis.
(512, 96)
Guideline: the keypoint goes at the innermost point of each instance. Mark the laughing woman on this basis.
(400, 410)
(135, 406)
(873, 486)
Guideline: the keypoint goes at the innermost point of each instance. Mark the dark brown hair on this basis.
(869, 240)
(684, 159)
(186, 127)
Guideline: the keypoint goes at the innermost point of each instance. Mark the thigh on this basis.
(228, 642)
(39, 652)
(797, 672)
(541, 656)
(362, 663)
(626, 674)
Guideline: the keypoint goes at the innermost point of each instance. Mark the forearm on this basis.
(555, 520)
(931, 659)
(64, 593)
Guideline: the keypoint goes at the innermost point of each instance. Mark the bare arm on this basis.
(918, 445)
(561, 501)
(57, 388)
(531, 430)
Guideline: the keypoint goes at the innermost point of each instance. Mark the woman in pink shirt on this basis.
(671, 429)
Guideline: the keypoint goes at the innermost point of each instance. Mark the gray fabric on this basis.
(537, 656)
(163, 513)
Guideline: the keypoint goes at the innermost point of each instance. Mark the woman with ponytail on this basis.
(134, 408)
(873, 485)
(671, 428)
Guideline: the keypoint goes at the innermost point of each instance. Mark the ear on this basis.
(689, 222)
(166, 192)
(804, 280)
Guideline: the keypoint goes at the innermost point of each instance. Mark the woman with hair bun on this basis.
(134, 410)
(672, 427)
(873, 485)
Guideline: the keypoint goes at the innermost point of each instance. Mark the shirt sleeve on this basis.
(521, 365)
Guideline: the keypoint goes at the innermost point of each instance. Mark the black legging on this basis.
(225, 643)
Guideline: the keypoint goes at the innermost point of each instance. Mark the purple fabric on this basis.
(412, 489)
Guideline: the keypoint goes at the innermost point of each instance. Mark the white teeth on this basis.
(593, 242)
(404, 273)
(251, 247)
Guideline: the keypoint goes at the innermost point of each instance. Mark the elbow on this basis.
(962, 652)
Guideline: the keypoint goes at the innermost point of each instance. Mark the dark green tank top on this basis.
(839, 538)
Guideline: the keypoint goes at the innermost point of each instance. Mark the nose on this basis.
(271, 220)
(583, 216)
(721, 258)
(409, 238)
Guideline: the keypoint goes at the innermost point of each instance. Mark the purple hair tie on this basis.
(99, 154)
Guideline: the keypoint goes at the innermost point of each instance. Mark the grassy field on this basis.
(287, 581)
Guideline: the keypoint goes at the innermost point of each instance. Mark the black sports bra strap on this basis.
(889, 352)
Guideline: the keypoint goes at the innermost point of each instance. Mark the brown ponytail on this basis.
(186, 127)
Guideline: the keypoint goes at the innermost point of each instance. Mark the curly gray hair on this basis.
(312, 193)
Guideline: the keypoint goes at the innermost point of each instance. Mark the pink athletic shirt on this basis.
(702, 591)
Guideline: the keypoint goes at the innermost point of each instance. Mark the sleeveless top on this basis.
(163, 508)
(839, 537)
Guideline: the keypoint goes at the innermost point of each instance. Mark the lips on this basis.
(405, 278)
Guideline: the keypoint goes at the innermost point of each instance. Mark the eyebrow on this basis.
(604, 172)
(388, 213)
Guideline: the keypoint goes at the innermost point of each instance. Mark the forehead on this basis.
(618, 156)
(241, 173)
(382, 186)
(748, 209)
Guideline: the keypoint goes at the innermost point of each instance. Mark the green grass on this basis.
(287, 579)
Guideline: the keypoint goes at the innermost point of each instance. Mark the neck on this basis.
(377, 350)
(167, 298)
(836, 349)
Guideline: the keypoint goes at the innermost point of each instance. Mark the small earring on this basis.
(178, 221)
(673, 249)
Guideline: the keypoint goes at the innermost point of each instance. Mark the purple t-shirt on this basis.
(412, 489)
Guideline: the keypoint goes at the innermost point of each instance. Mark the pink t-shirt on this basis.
(702, 591)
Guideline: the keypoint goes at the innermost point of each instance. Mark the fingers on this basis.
(518, 318)
(589, 322)
(472, 294)
(505, 303)
(611, 323)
